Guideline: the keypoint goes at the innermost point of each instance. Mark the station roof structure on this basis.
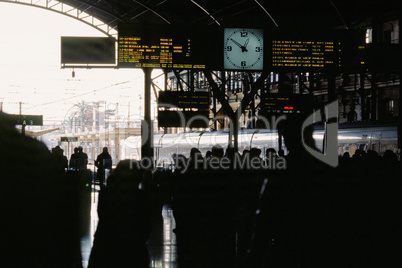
(296, 15)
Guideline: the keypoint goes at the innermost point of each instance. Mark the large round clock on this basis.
(243, 49)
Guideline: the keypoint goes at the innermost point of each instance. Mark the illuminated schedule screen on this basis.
(202, 47)
(286, 103)
(165, 46)
(299, 54)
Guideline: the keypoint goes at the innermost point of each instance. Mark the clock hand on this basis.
(243, 49)
(238, 44)
(246, 43)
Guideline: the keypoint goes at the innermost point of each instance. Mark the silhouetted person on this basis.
(230, 152)
(39, 222)
(60, 160)
(217, 151)
(203, 209)
(357, 158)
(195, 160)
(255, 152)
(297, 156)
(292, 216)
(390, 158)
(82, 159)
(345, 159)
(124, 221)
(180, 162)
(352, 115)
(270, 158)
(271, 152)
(103, 162)
(74, 159)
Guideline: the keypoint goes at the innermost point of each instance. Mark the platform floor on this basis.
(161, 244)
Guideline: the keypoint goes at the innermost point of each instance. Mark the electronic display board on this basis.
(168, 46)
(338, 50)
(173, 106)
(302, 54)
(286, 103)
(184, 99)
(88, 50)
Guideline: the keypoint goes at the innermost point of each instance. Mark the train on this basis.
(364, 136)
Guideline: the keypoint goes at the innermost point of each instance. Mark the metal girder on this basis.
(266, 12)
(244, 103)
(70, 11)
(220, 95)
(151, 10)
(250, 95)
(203, 9)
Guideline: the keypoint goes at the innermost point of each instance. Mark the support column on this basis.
(362, 98)
(373, 108)
(147, 124)
(400, 82)
(331, 88)
(233, 132)
(400, 108)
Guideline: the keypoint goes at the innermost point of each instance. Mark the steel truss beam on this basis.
(70, 11)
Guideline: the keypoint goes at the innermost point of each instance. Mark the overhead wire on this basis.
(80, 95)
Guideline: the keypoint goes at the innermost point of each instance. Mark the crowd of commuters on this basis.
(305, 214)
(274, 211)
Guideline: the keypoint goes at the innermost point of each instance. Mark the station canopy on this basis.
(286, 15)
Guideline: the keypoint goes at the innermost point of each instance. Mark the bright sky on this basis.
(30, 69)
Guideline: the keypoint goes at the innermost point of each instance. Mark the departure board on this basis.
(165, 46)
(173, 106)
(301, 54)
(286, 103)
(88, 50)
(184, 99)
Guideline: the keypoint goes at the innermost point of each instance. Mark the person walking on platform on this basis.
(103, 162)
(82, 159)
(73, 159)
(124, 221)
(59, 159)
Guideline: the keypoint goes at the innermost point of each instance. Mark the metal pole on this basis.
(362, 98)
(146, 128)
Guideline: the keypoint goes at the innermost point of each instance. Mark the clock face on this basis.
(243, 49)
